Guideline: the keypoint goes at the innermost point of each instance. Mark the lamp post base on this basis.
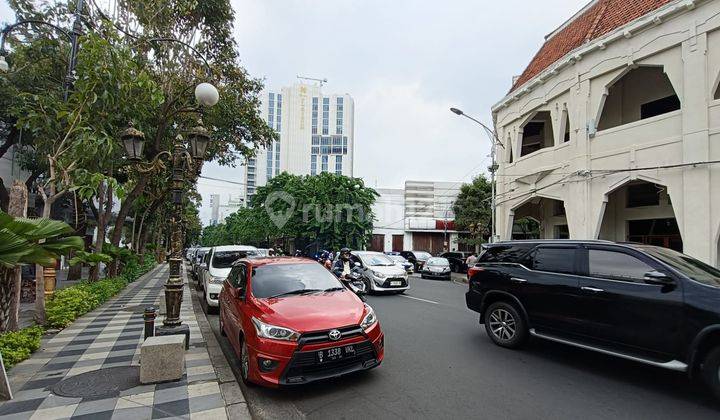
(182, 329)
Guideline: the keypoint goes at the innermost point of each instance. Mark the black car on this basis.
(644, 303)
(418, 258)
(457, 260)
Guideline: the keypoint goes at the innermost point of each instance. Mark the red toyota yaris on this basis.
(292, 322)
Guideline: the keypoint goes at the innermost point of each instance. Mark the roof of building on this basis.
(598, 18)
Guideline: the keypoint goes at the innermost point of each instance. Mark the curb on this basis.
(236, 406)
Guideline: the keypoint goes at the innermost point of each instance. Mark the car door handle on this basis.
(592, 289)
(517, 280)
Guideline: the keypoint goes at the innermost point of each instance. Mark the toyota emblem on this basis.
(334, 335)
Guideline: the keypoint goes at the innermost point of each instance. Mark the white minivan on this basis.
(219, 262)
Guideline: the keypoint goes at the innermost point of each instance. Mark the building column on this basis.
(696, 229)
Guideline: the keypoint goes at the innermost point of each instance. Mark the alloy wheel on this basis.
(502, 324)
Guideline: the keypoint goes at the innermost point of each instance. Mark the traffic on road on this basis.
(301, 333)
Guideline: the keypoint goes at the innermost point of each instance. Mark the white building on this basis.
(316, 135)
(219, 211)
(610, 131)
(415, 217)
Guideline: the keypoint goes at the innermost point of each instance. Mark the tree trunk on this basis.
(125, 209)
(101, 228)
(75, 271)
(17, 208)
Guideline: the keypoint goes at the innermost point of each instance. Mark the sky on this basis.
(405, 62)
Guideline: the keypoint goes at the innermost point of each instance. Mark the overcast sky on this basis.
(405, 62)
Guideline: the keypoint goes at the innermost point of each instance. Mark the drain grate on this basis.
(101, 383)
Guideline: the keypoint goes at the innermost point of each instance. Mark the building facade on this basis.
(219, 211)
(612, 130)
(316, 134)
(418, 217)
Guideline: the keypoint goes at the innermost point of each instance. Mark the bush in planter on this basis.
(68, 304)
(17, 346)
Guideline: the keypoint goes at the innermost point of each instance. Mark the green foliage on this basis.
(473, 211)
(17, 346)
(68, 304)
(328, 209)
(34, 241)
(89, 258)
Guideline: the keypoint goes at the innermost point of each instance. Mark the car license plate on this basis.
(395, 283)
(335, 353)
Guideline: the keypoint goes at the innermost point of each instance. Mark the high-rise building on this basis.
(316, 134)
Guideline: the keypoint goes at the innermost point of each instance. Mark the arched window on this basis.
(641, 93)
(565, 126)
(537, 133)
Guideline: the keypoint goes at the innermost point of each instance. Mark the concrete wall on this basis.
(583, 172)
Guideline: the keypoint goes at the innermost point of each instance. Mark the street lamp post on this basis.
(184, 159)
(493, 166)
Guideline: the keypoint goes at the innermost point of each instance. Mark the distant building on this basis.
(610, 131)
(316, 133)
(219, 211)
(417, 217)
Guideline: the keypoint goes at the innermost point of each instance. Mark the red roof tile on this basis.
(600, 18)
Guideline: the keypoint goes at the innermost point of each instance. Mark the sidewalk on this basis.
(90, 370)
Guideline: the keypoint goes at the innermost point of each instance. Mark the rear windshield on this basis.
(276, 279)
(438, 261)
(421, 255)
(224, 259)
(510, 253)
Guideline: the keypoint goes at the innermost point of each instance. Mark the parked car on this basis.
(291, 322)
(189, 254)
(196, 264)
(379, 272)
(218, 262)
(418, 258)
(639, 302)
(457, 260)
(400, 261)
(436, 267)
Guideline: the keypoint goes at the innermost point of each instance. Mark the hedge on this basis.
(66, 306)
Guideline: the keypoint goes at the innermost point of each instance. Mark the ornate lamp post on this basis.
(185, 160)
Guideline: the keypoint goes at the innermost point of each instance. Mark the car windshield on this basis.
(397, 258)
(224, 259)
(438, 262)
(422, 255)
(687, 265)
(278, 279)
(374, 260)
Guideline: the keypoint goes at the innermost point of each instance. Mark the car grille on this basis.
(387, 283)
(304, 364)
(323, 336)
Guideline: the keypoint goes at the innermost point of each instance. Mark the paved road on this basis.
(439, 363)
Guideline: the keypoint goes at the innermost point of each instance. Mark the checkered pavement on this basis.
(111, 336)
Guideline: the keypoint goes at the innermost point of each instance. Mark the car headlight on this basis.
(370, 319)
(217, 280)
(378, 275)
(274, 332)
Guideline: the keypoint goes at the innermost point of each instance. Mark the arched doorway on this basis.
(540, 218)
(641, 211)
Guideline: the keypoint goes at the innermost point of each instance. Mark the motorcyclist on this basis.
(343, 265)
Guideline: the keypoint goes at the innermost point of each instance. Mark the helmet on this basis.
(345, 253)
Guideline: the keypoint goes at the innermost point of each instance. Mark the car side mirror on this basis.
(240, 293)
(658, 278)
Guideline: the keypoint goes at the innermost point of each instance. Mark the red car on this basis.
(292, 322)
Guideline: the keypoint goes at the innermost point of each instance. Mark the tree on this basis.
(329, 210)
(29, 241)
(473, 211)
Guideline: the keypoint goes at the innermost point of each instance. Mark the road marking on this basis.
(423, 300)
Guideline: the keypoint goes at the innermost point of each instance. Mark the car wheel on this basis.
(222, 323)
(205, 307)
(505, 326)
(710, 371)
(245, 364)
(422, 276)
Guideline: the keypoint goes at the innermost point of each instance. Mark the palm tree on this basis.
(29, 241)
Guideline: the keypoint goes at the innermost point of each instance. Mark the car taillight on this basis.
(472, 271)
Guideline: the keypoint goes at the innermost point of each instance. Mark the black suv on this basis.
(457, 260)
(639, 302)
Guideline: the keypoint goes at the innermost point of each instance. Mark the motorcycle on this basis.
(355, 283)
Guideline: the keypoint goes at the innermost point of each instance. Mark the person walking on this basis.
(471, 260)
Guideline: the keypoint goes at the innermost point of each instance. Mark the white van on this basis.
(219, 262)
